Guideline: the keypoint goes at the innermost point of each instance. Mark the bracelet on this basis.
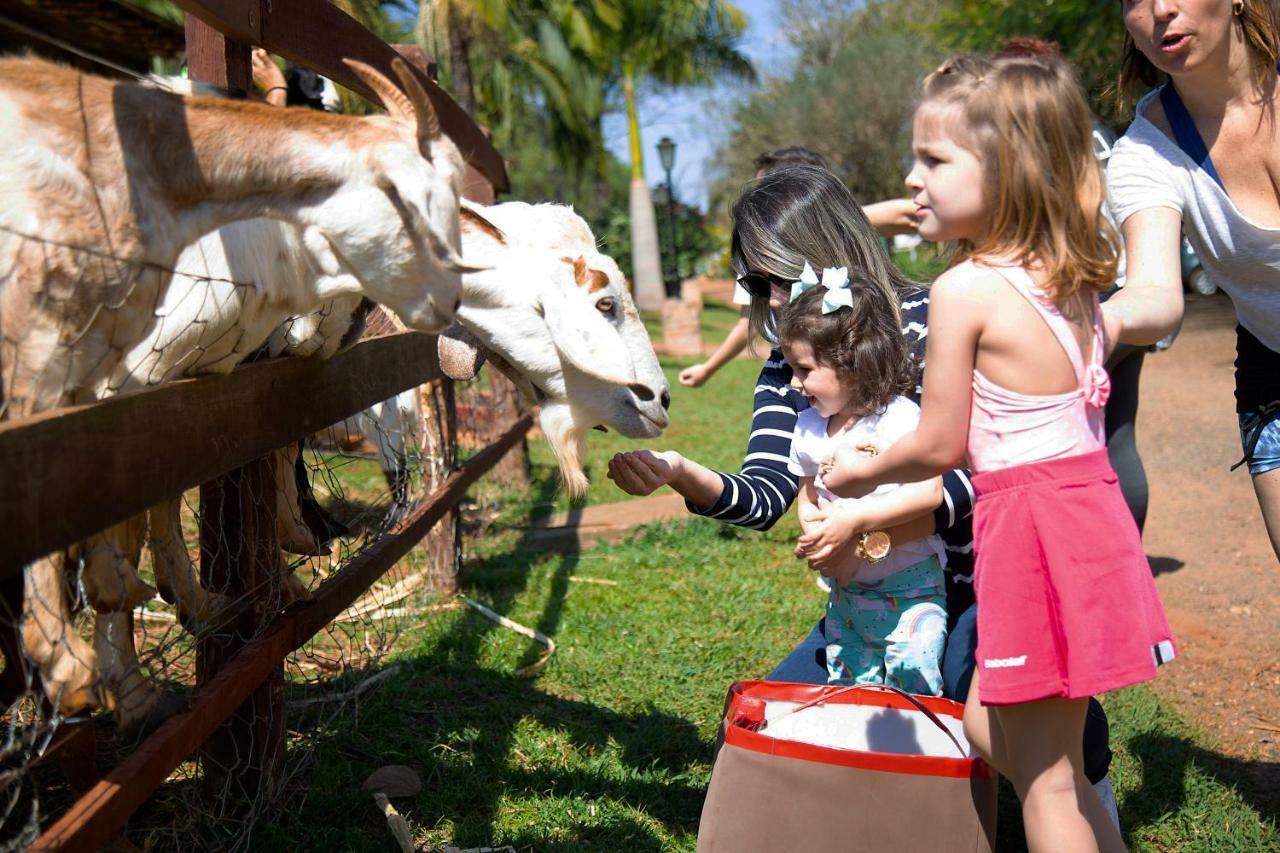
(278, 88)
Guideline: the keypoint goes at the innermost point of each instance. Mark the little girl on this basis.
(886, 619)
(1066, 604)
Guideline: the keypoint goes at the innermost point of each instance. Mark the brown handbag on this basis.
(779, 783)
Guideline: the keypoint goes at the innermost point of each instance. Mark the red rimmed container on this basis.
(908, 785)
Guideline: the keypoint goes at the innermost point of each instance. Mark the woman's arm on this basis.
(892, 217)
(642, 472)
(1149, 306)
(757, 496)
(957, 310)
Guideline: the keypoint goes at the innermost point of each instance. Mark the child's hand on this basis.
(850, 471)
(695, 375)
(642, 472)
(828, 539)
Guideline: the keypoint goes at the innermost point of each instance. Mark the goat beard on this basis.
(568, 443)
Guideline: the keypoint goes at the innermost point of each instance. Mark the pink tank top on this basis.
(1007, 428)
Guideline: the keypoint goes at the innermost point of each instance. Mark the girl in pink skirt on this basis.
(1004, 168)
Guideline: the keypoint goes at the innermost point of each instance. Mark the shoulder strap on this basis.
(1020, 280)
(1185, 132)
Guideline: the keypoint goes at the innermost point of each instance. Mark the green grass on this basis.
(609, 749)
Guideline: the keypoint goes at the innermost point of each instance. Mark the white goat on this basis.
(103, 185)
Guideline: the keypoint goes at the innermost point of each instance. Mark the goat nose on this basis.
(665, 399)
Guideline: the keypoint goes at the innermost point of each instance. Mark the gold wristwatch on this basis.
(874, 545)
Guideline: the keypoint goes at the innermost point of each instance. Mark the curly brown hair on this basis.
(862, 343)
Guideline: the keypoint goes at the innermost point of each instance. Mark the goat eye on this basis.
(605, 305)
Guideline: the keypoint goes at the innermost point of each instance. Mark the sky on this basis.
(693, 119)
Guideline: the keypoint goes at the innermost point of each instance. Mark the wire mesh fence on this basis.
(356, 490)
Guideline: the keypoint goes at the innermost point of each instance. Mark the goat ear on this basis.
(476, 227)
(461, 355)
(396, 102)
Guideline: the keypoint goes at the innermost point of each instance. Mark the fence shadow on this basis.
(1166, 760)
(445, 696)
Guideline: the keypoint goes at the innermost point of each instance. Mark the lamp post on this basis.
(667, 154)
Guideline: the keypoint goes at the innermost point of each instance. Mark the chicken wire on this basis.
(366, 474)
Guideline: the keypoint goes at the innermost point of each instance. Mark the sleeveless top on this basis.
(1007, 428)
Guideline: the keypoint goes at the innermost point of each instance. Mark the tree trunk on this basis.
(460, 65)
(646, 262)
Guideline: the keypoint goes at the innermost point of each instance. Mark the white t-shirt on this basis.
(1147, 169)
(810, 445)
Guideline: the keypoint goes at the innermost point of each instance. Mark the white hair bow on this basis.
(835, 280)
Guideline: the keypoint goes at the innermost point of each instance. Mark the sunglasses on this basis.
(761, 284)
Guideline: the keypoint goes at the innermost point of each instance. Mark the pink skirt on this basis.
(1066, 602)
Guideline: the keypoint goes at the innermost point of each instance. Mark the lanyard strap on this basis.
(1185, 132)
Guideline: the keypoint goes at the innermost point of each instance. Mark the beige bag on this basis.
(867, 768)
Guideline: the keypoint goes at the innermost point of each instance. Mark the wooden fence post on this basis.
(240, 558)
(239, 548)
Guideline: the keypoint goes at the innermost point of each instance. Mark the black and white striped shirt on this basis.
(762, 492)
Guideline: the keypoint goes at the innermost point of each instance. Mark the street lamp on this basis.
(667, 154)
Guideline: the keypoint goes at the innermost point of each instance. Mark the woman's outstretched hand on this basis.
(642, 472)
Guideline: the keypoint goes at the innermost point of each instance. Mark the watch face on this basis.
(876, 545)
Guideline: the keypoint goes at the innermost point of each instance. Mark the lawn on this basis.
(609, 748)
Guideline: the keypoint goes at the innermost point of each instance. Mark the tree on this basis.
(849, 95)
(670, 44)
(1090, 33)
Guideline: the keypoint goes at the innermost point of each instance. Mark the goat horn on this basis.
(395, 101)
(428, 122)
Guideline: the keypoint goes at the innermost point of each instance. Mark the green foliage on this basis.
(1090, 32)
(849, 95)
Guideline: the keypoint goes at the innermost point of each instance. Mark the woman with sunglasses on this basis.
(790, 216)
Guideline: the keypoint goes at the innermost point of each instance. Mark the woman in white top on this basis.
(1203, 153)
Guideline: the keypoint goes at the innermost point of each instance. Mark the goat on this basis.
(103, 186)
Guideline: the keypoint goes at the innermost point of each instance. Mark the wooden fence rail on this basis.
(71, 472)
(98, 816)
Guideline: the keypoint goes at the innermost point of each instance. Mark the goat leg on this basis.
(139, 703)
(111, 581)
(67, 664)
(175, 574)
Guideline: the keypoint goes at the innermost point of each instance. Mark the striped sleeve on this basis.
(762, 492)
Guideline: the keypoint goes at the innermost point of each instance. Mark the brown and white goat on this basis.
(102, 186)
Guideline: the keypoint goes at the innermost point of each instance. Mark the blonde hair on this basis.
(1027, 121)
(795, 214)
(1260, 22)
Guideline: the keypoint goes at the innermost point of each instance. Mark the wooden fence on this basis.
(60, 485)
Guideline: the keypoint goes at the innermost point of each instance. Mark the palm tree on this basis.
(672, 44)
(449, 28)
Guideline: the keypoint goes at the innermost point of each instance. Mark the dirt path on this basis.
(1216, 572)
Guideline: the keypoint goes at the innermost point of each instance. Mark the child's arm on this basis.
(895, 511)
(807, 507)
(957, 307)
(734, 343)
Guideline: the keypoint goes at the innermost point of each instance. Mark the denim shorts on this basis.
(1266, 451)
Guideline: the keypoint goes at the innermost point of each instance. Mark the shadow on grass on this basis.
(1167, 764)
(466, 730)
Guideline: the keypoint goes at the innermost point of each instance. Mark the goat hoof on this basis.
(200, 619)
(293, 590)
(143, 718)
